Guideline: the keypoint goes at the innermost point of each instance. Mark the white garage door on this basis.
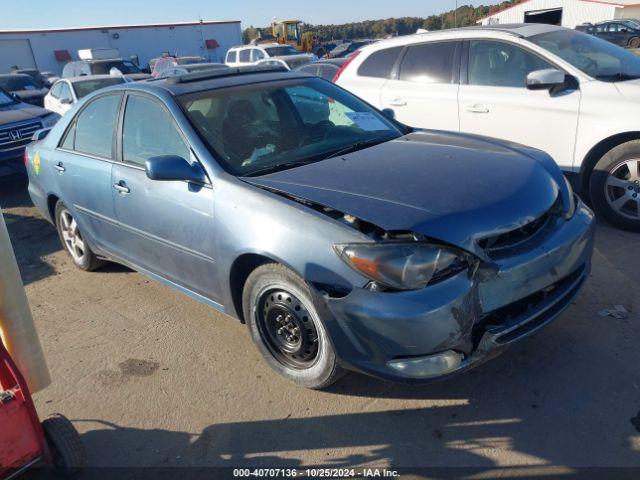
(15, 52)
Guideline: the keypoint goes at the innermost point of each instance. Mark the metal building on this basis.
(567, 13)
(49, 50)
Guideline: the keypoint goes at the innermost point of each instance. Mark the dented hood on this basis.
(452, 187)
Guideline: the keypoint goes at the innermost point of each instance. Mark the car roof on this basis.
(213, 80)
(84, 78)
(18, 75)
(338, 62)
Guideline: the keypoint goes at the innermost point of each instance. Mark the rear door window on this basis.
(94, 127)
(432, 62)
(245, 55)
(380, 64)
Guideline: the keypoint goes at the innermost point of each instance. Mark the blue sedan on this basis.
(344, 240)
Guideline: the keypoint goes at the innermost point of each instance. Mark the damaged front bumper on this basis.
(415, 336)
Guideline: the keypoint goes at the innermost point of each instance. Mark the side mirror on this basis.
(173, 167)
(66, 101)
(545, 79)
(40, 134)
(389, 113)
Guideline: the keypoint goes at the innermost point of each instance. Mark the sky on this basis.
(77, 13)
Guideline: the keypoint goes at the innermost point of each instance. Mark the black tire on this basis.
(610, 167)
(316, 367)
(634, 42)
(87, 262)
(63, 440)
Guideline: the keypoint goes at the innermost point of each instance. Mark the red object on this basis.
(24, 157)
(62, 55)
(211, 43)
(22, 442)
(345, 65)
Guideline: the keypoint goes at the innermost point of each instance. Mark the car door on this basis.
(494, 100)
(424, 90)
(51, 101)
(83, 163)
(372, 74)
(166, 227)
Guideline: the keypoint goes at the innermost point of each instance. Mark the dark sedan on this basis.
(327, 69)
(344, 240)
(24, 87)
(625, 33)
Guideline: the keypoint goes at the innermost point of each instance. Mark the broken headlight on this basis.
(403, 265)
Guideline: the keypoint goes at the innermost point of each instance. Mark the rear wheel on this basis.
(634, 42)
(286, 328)
(73, 241)
(615, 186)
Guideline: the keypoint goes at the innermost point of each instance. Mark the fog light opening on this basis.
(428, 366)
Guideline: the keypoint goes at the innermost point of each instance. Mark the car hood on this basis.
(19, 112)
(452, 187)
(138, 76)
(629, 89)
(296, 60)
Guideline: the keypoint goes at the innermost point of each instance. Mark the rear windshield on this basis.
(269, 126)
(104, 68)
(85, 87)
(14, 84)
(281, 51)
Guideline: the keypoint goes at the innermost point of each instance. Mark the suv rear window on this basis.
(430, 62)
(379, 64)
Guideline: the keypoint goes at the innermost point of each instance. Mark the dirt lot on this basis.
(150, 377)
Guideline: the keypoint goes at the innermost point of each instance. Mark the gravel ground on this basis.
(152, 378)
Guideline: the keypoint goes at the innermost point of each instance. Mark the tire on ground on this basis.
(90, 261)
(325, 370)
(65, 444)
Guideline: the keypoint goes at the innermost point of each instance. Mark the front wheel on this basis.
(614, 186)
(65, 444)
(286, 328)
(634, 42)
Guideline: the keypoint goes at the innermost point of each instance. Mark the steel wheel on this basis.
(287, 329)
(71, 236)
(622, 189)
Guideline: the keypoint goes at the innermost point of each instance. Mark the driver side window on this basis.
(500, 64)
(149, 131)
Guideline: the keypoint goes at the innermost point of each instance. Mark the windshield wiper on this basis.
(618, 77)
(278, 167)
(357, 146)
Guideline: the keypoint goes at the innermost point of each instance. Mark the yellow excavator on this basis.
(289, 32)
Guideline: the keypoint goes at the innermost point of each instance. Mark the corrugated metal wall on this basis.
(145, 42)
(574, 12)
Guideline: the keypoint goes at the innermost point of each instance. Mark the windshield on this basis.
(17, 83)
(267, 127)
(85, 87)
(595, 57)
(5, 99)
(281, 51)
(125, 66)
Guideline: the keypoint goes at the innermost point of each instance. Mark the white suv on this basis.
(255, 54)
(573, 95)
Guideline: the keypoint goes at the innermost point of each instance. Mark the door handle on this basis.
(59, 167)
(398, 102)
(121, 187)
(477, 109)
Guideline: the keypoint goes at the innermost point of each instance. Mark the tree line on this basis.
(465, 15)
